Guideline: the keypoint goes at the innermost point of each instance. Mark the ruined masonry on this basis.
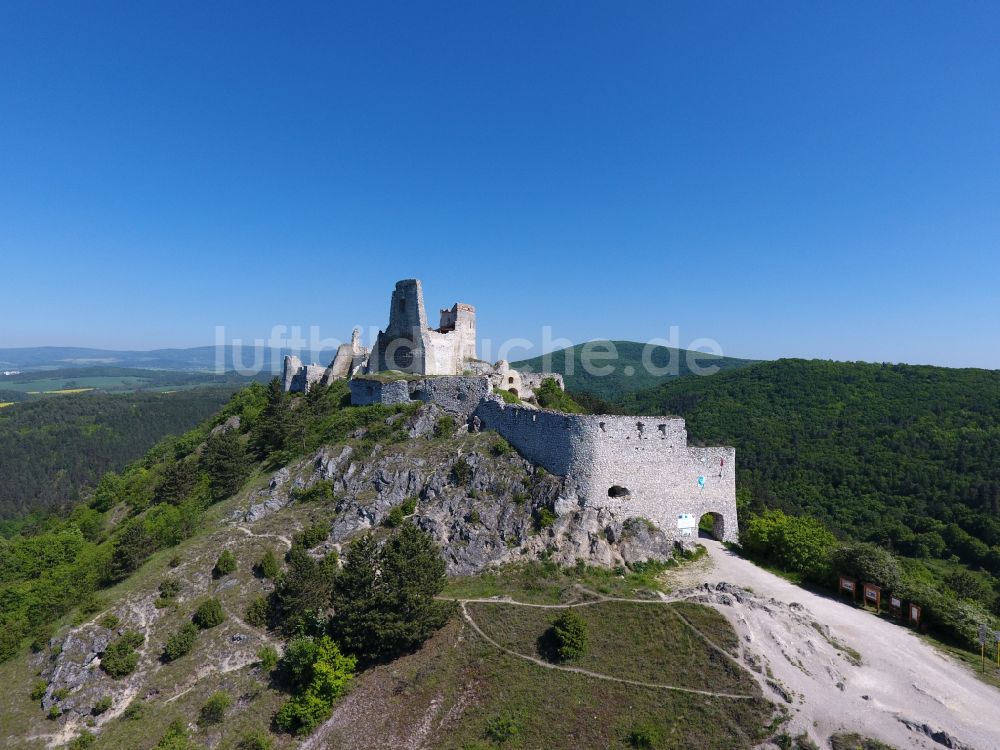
(632, 466)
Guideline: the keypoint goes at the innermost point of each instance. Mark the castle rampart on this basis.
(636, 466)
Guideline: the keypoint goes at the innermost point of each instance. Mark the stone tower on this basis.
(409, 344)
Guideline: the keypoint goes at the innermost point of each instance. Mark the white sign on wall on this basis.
(686, 523)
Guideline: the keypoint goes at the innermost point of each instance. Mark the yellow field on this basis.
(71, 390)
(5, 403)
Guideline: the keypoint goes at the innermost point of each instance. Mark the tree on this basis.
(215, 707)
(179, 479)
(225, 565)
(131, 549)
(318, 673)
(225, 459)
(869, 563)
(119, 658)
(384, 599)
(180, 642)
(269, 565)
(302, 593)
(276, 424)
(570, 635)
(209, 614)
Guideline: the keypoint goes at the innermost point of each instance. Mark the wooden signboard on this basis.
(914, 615)
(848, 586)
(896, 606)
(873, 596)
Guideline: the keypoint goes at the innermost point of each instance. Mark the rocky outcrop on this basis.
(482, 502)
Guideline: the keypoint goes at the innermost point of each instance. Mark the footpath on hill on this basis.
(903, 692)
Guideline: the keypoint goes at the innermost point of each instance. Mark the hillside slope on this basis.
(110, 592)
(629, 371)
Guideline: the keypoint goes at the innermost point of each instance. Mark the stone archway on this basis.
(712, 525)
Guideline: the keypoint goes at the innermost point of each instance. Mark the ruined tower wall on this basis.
(637, 466)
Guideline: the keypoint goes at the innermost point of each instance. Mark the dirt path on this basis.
(902, 691)
(579, 670)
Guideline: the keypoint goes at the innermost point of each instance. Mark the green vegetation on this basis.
(461, 472)
(209, 614)
(550, 396)
(569, 635)
(667, 364)
(269, 565)
(317, 674)
(899, 456)
(102, 705)
(225, 565)
(256, 612)
(853, 741)
(38, 690)
(120, 658)
(181, 642)
(268, 656)
(54, 449)
(215, 708)
(384, 596)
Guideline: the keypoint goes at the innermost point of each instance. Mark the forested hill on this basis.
(52, 447)
(629, 371)
(898, 454)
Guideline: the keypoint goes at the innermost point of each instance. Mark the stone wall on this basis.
(297, 377)
(457, 395)
(639, 466)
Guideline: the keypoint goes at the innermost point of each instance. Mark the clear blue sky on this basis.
(790, 179)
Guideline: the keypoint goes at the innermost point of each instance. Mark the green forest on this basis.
(53, 447)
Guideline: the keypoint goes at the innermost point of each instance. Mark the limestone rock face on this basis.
(482, 509)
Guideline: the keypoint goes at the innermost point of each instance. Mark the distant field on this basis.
(52, 385)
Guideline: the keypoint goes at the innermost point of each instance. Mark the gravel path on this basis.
(903, 692)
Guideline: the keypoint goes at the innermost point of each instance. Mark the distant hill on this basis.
(53, 447)
(901, 455)
(630, 373)
(197, 359)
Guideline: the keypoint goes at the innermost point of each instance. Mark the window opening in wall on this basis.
(618, 491)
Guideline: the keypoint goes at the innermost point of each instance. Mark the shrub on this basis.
(550, 396)
(322, 490)
(109, 621)
(869, 563)
(500, 447)
(510, 398)
(502, 729)
(254, 740)
(318, 674)
(312, 535)
(82, 741)
(394, 518)
(645, 737)
(174, 561)
(209, 614)
(54, 711)
(445, 426)
(256, 611)
(119, 658)
(570, 635)
(180, 642)
(102, 705)
(461, 472)
(409, 506)
(215, 708)
(169, 588)
(133, 711)
(268, 656)
(176, 737)
(798, 544)
(38, 690)
(61, 694)
(225, 565)
(269, 565)
(544, 518)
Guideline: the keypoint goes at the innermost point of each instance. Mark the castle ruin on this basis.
(633, 466)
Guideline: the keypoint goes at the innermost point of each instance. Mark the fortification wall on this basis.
(297, 377)
(637, 466)
(455, 394)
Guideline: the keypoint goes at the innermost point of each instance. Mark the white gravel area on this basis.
(904, 693)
